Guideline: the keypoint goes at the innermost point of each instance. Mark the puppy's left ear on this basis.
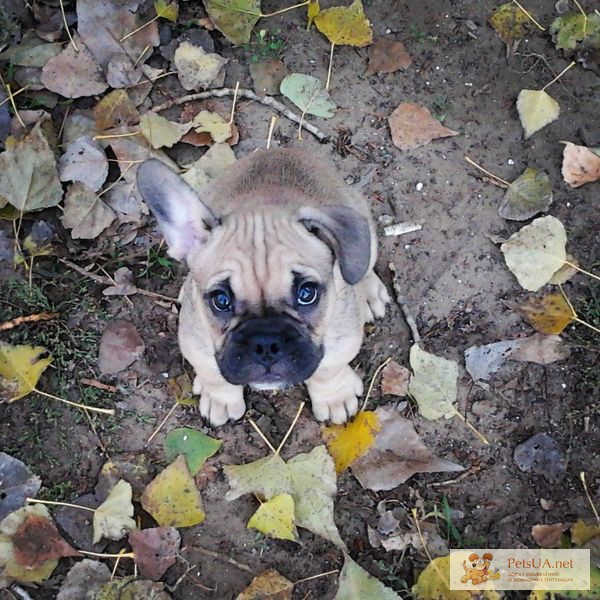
(183, 218)
(346, 232)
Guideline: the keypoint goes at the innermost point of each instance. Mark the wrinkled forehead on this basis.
(260, 254)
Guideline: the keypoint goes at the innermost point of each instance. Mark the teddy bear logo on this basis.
(477, 570)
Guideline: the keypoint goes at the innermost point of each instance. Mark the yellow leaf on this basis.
(268, 585)
(115, 110)
(172, 497)
(548, 314)
(212, 123)
(345, 25)
(166, 11)
(267, 477)
(275, 518)
(312, 11)
(582, 532)
(20, 370)
(510, 22)
(113, 518)
(160, 131)
(536, 109)
(348, 442)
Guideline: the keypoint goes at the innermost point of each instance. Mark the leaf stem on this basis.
(278, 12)
(330, 66)
(377, 371)
(162, 423)
(64, 18)
(116, 135)
(529, 16)
(589, 497)
(102, 555)
(139, 28)
(287, 435)
(235, 94)
(7, 99)
(559, 76)
(472, 162)
(581, 270)
(55, 503)
(104, 411)
(468, 424)
(585, 18)
(582, 322)
(271, 127)
(262, 436)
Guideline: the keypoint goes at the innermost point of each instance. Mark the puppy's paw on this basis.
(377, 297)
(218, 408)
(337, 400)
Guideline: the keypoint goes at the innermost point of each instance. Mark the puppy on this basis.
(280, 254)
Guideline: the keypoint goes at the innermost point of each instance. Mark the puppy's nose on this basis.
(267, 347)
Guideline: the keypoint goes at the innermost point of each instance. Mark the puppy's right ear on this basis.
(183, 218)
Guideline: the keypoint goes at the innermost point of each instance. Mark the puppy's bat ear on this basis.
(346, 232)
(183, 218)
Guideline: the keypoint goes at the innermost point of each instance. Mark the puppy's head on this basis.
(263, 281)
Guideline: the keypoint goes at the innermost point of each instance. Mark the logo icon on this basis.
(477, 570)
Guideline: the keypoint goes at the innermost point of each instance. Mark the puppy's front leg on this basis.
(334, 393)
(220, 401)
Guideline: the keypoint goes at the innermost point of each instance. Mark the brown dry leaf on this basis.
(126, 203)
(85, 214)
(115, 110)
(387, 56)
(540, 349)
(267, 76)
(155, 550)
(74, 74)
(84, 161)
(397, 454)
(123, 284)
(548, 314)
(120, 346)
(394, 379)
(580, 165)
(412, 126)
(582, 532)
(549, 536)
(196, 68)
(269, 585)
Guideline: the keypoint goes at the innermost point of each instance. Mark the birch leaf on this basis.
(580, 165)
(536, 109)
(86, 214)
(275, 518)
(266, 476)
(528, 195)
(84, 161)
(20, 370)
(345, 25)
(113, 518)
(308, 94)
(356, 584)
(160, 131)
(234, 18)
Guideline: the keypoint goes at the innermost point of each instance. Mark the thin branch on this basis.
(7, 99)
(103, 555)
(222, 557)
(235, 94)
(43, 316)
(468, 424)
(250, 95)
(104, 411)
(502, 181)
(271, 127)
(278, 12)
(316, 576)
(581, 270)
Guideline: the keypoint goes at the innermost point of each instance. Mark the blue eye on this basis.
(307, 293)
(221, 300)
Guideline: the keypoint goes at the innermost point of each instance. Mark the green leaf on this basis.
(308, 94)
(569, 30)
(195, 446)
(356, 584)
(234, 18)
(528, 195)
(166, 11)
(266, 476)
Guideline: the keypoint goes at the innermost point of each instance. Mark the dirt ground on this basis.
(454, 279)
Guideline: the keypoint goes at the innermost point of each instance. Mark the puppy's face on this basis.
(264, 298)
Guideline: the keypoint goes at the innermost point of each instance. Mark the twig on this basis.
(458, 479)
(410, 320)
(99, 385)
(589, 497)
(250, 95)
(559, 75)
(377, 371)
(316, 576)
(418, 526)
(161, 424)
(262, 436)
(502, 181)
(287, 435)
(104, 411)
(43, 316)
(64, 18)
(278, 12)
(222, 557)
(530, 16)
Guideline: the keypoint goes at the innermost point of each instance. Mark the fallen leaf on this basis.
(28, 176)
(17, 482)
(166, 11)
(412, 126)
(38, 242)
(37, 541)
(196, 68)
(78, 123)
(434, 583)
(267, 76)
(20, 369)
(348, 442)
(355, 583)
(135, 469)
(580, 165)
(397, 454)
(120, 346)
(568, 31)
(387, 56)
(548, 536)
(582, 532)
(345, 25)
(78, 524)
(528, 195)
(74, 73)
(132, 588)
(31, 52)
(211, 165)
(155, 550)
(394, 379)
(267, 477)
(435, 544)
(84, 161)
(115, 110)
(536, 109)
(85, 214)
(83, 580)
(548, 314)
(160, 131)
(269, 585)
(275, 518)
(433, 384)
(126, 203)
(234, 18)
(212, 123)
(113, 518)
(535, 252)
(510, 23)
(314, 486)
(172, 497)
(540, 454)
(194, 445)
(481, 362)
(540, 349)
(124, 284)
(308, 94)
(566, 272)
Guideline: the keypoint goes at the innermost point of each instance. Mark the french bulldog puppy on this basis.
(280, 254)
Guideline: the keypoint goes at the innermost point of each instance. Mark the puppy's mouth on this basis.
(269, 353)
